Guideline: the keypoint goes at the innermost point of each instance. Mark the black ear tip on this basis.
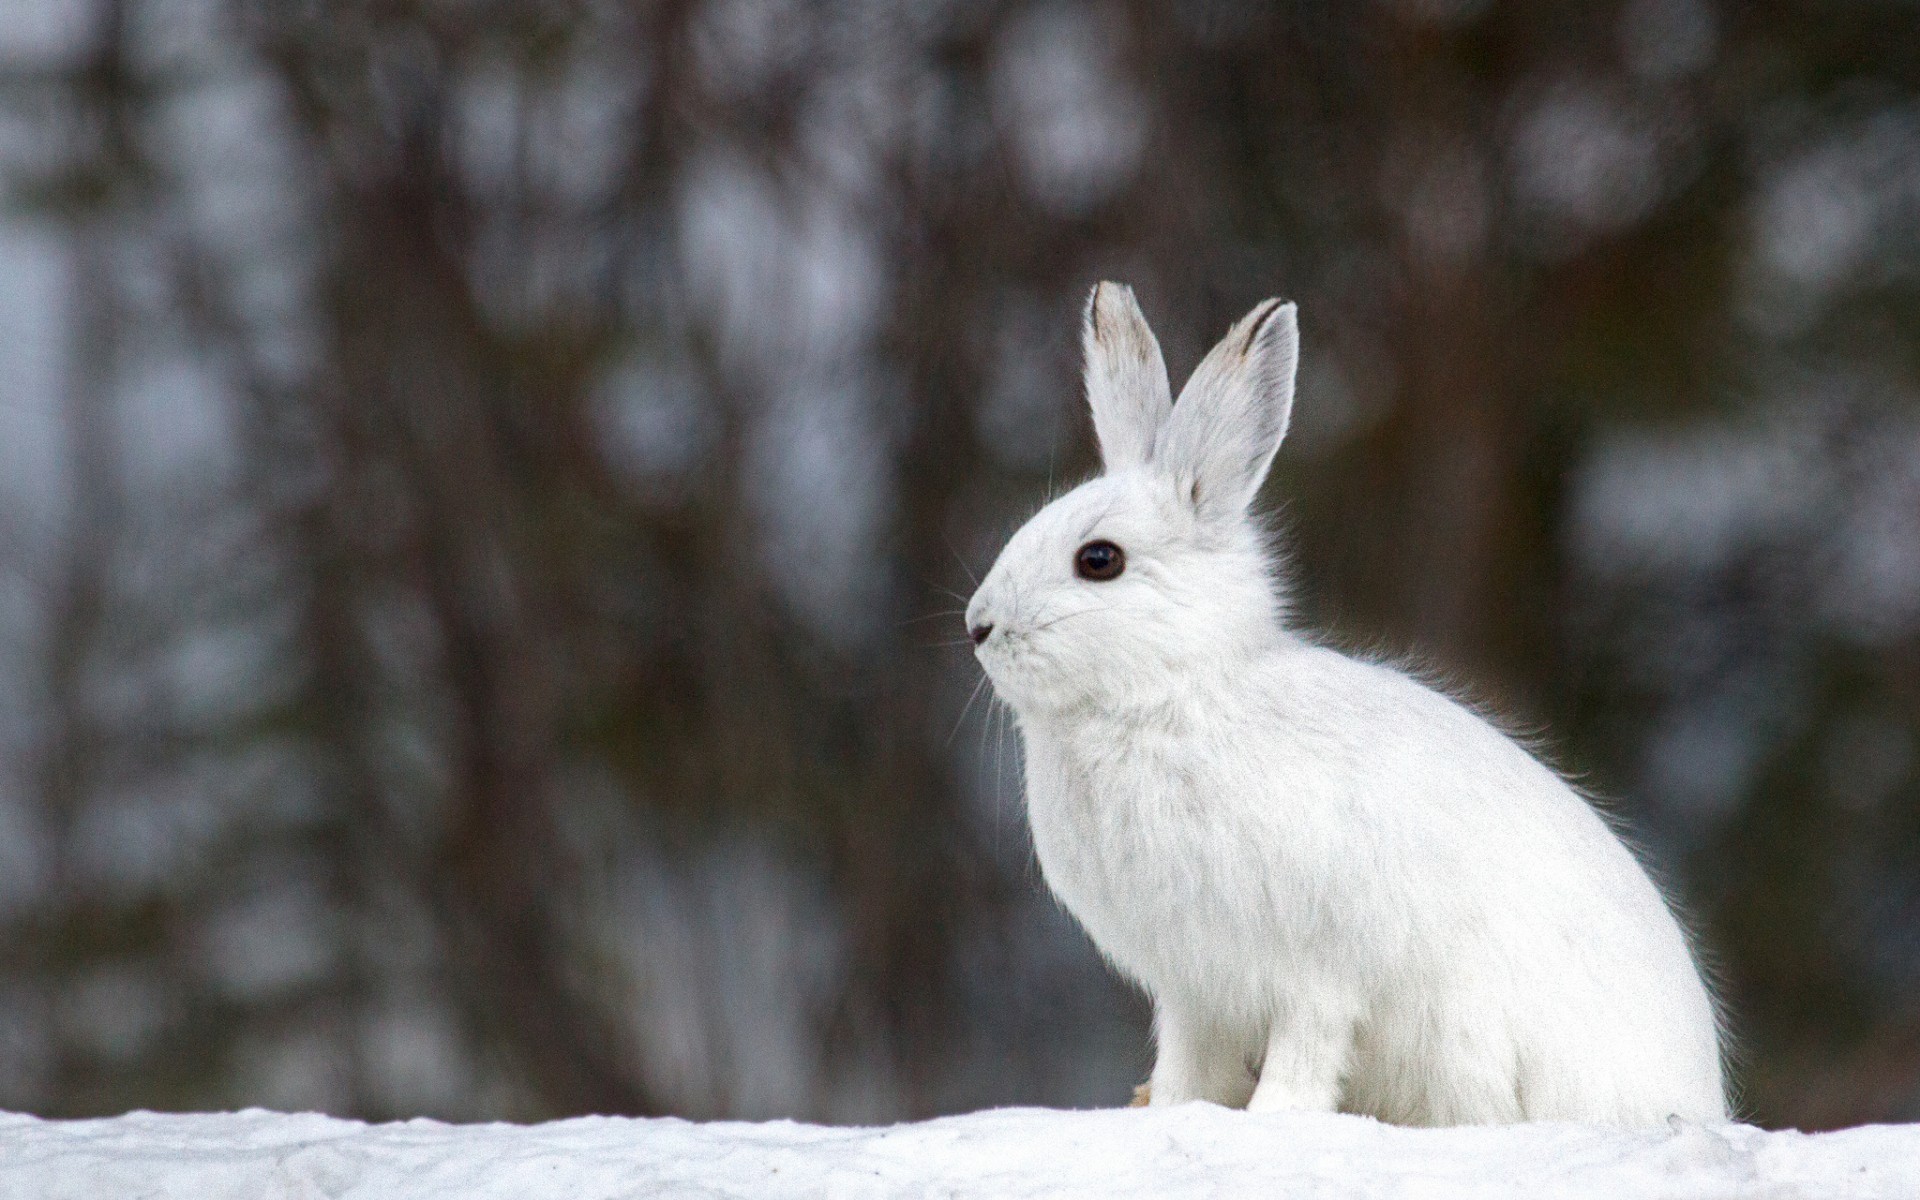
(1262, 318)
(1275, 307)
(1095, 296)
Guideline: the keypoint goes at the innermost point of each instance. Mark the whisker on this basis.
(958, 559)
(943, 614)
(1084, 612)
(980, 768)
(1095, 523)
(1005, 713)
(999, 780)
(965, 709)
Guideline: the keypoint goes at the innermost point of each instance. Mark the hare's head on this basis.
(1145, 578)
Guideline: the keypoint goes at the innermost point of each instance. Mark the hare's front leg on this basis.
(1308, 1048)
(1197, 1060)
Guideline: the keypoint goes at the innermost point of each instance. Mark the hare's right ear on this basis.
(1126, 379)
(1233, 413)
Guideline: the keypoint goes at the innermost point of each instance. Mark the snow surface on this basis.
(1195, 1150)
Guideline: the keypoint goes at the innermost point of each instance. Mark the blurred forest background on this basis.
(484, 485)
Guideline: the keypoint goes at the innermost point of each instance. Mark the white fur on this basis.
(1341, 888)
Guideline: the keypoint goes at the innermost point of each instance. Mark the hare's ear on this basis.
(1233, 412)
(1126, 378)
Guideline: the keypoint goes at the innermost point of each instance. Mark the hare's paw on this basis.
(1307, 1053)
(1197, 1061)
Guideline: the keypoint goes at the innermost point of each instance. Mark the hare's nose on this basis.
(979, 633)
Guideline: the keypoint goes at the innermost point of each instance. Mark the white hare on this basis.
(1342, 889)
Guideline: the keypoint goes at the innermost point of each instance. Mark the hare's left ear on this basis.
(1126, 378)
(1233, 412)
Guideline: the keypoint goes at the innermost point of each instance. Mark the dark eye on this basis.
(1099, 561)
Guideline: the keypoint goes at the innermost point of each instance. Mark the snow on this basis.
(1195, 1150)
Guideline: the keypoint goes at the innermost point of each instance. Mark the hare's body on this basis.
(1422, 945)
(1341, 889)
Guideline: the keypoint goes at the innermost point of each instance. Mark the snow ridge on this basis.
(1193, 1150)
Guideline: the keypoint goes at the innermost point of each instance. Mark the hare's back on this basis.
(1408, 755)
